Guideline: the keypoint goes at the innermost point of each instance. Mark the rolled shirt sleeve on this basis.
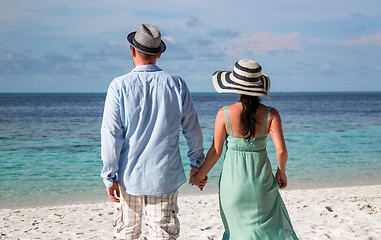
(112, 137)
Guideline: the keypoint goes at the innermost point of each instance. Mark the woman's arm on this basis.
(276, 133)
(215, 150)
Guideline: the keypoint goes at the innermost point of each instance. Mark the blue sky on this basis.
(80, 46)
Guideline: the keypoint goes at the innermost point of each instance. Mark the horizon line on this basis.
(197, 92)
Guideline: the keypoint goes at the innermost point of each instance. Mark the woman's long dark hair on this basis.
(250, 105)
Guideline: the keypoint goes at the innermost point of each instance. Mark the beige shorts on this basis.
(160, 210)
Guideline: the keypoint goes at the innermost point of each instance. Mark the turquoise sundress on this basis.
(250, 204)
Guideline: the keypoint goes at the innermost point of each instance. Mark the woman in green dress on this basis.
(250, 204)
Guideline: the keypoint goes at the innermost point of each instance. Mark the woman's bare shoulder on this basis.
(220, 115)
(220, 112)
(273, 111)
(273, 115)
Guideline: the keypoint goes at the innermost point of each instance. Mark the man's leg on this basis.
(162, 218)
(128, 216)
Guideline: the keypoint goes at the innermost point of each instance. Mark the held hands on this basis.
(195, 179)
(281, 178)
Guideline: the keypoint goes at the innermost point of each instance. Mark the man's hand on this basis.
(113, 192)
(193, 171)
(201, 183)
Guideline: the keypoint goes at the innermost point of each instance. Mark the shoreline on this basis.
(323, 213)
(185, 190)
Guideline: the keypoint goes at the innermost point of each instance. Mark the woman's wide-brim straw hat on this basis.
(246, 78)
(147, 40)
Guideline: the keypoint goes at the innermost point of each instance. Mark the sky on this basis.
(80, 46)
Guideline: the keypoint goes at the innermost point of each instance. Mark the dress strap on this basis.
(265, 121)
(228, 120)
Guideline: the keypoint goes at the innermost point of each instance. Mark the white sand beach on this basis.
(329, 213)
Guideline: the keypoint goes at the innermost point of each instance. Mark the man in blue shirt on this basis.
(142, 167)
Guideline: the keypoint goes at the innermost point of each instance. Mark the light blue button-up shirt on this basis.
(143, 113)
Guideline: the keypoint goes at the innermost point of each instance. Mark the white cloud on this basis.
(265, 43)
(376, 39)
(169, 39)
(376, 69)
(326, 69)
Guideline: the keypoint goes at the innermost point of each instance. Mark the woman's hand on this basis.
(196, 180)
(281, 178)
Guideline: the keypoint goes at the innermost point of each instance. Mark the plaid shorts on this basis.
(161, 212)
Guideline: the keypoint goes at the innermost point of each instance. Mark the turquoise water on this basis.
(50, 143)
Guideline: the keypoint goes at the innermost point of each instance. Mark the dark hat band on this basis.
(228, 79)
(246, 79)
(144, 48)
(248, 70)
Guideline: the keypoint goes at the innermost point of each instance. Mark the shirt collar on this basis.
(146, 68)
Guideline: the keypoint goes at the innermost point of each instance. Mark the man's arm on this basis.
(112, 138)
(192, 131)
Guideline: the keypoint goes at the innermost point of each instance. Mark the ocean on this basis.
(50, 143)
